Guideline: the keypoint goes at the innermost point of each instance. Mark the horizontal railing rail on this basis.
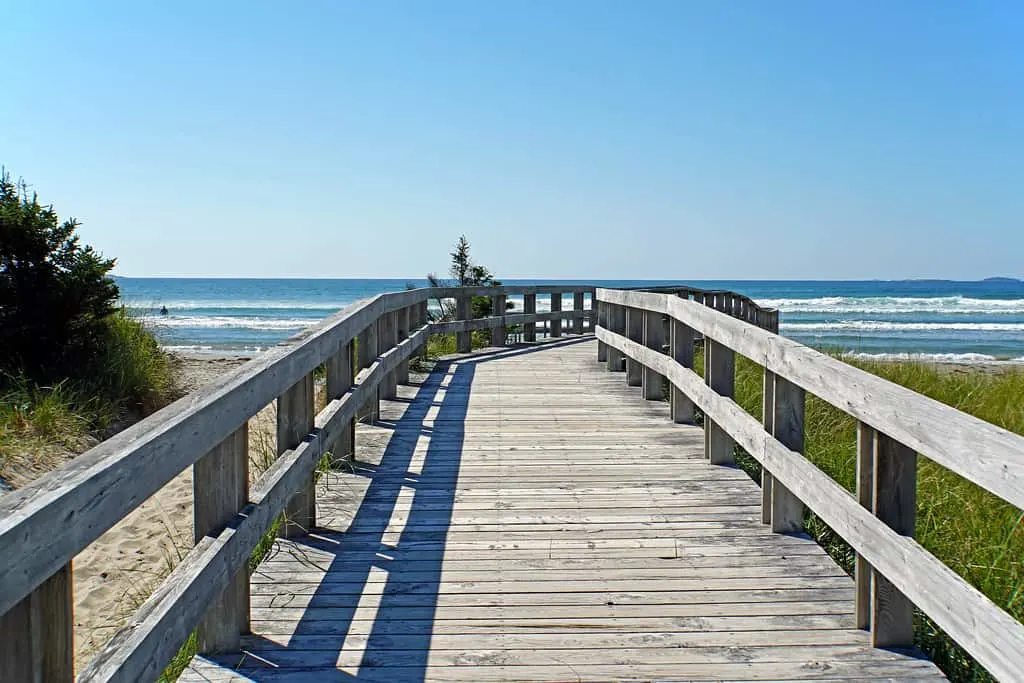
(894, 573)
(365, 349)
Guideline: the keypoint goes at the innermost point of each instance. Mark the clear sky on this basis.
(717, 139)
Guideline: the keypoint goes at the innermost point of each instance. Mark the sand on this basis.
(115, 574)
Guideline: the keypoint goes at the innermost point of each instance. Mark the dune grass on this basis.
(975, 533)
(43, 426)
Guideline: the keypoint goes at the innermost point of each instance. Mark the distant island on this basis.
(1002, 279)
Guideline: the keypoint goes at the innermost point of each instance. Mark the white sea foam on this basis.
(932, 357)
(896, 304)
(888, 326)
(229, 322)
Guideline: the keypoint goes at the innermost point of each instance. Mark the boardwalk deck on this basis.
(520, 514)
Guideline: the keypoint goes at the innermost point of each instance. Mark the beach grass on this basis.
(975, 533)
(42, 426)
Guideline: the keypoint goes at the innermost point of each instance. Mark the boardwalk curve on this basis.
(520, 514)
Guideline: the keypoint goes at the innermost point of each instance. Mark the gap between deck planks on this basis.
(521, 514)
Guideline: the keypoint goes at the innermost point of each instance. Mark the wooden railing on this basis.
(365, 350)
(893, 572)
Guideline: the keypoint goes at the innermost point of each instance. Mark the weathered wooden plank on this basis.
(529, 308)
(720, 374)
(989, 456)
(165, 620)
(556, 307)
(653, 338)
(464, 310)
(296, 413)
(788, 429)
(340, 376)
(894, 501)
(220, 484)
(865, 495)
(577, 304)
(634, 330)
(993, 637)
(681, 350)
(36, 636)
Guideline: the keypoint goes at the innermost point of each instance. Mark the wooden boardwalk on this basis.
(520, 514)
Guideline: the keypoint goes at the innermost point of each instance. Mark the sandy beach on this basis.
(115, 574)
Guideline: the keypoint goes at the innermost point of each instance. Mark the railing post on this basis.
(556, 306)
(37, 636)
(295, 414)
(720, 375)
(220, 485)
(387, 336)
(601, 318)
(404, 317)
(498, 332)
(681, 343)
(577, 307)
(768, 420)
(894, 500)
(616, 318)
(865, 492)
(635, 332)
(530, 306)
(464, 311)
(367, 348)
(654, 339)
(340, 375)
(788, 426)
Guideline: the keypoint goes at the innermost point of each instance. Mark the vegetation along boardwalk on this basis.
(527, 512)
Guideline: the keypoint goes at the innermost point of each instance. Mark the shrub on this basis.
(55, 294)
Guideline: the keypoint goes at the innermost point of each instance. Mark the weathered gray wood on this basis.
(36, 636)
(220, 484)
(405, 321)
(140, 460)
(296, 413)
(720, 375)
(340, 376)
(498, 308)
(635, 331)
(367, 344)
(977, 624)
(653, 339)
(163, 623)
(768, 420)
(601, 311)
(950, 437)
(788, 429)
(387, 338)
(681, 343)
(530, 306)
(616, 317)
(464, 589)
(865, 495)
(894, 501)
(556, 306)
(464, 311)
(577, 305)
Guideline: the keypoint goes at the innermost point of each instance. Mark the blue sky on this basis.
(718, 139)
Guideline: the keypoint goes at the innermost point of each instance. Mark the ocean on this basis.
(928, 319)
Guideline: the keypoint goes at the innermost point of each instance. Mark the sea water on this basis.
(927, 319)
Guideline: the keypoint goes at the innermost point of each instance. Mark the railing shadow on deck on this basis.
(402, 612)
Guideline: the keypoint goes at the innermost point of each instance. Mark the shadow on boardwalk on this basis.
(371, 616)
